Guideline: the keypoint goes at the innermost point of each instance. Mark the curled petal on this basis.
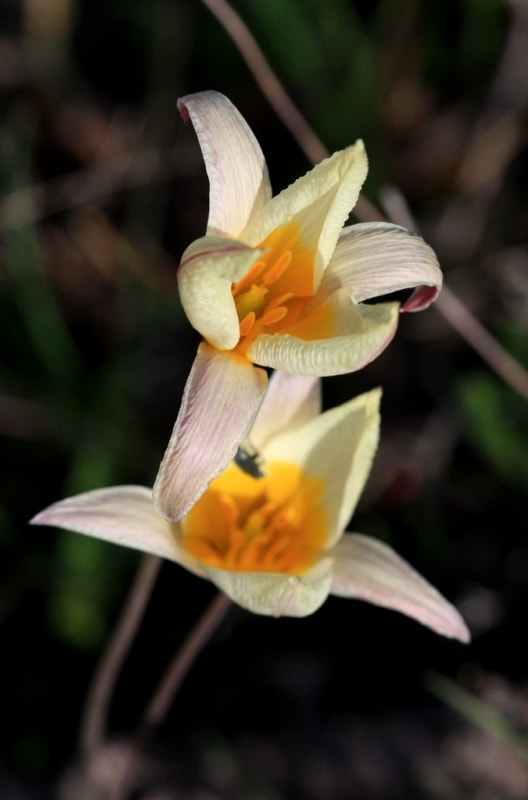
(319, 203)
(123, 515)
(338, 447)
(370, 570)
(275, 595)
(376, 258)
(209, 267)
(362, 333)
(238, 176)
(220, 401)
(290, 402)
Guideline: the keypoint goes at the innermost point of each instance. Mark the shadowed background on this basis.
(102, 188)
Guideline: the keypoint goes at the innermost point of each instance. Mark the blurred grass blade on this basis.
(478, 712)
(37, 308)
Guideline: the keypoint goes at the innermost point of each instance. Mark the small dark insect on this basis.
(248, 462)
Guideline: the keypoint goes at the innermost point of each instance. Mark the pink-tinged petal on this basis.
(275, 595)
(336, 447)
(319, 203)
(370, 570)
(362, 332)
(208, 269)
(374, 259)
(238, 176)
(123, 515)
(220, 401)
(290, 402)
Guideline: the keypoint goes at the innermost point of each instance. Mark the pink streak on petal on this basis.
(220, 401)
(374, 259)
(123, 515)
(238, 176)
(370, 570)
(421, 298)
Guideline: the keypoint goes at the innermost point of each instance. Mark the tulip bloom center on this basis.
(276, 294)
(271, 524)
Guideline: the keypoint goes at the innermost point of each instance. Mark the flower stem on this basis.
(167, 688)
(93, 723)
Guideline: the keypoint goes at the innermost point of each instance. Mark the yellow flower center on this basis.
(270, 524)
(274, 295)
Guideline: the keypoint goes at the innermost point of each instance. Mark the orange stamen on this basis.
(272, 315)
(277, 290)
(247, 323)
(270, 524)
(251, 276)
(282, 264)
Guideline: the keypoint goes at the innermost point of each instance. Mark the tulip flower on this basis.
(273, 541)
(276, 282)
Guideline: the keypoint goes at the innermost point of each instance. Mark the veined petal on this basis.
(370, 570)
(238, 176)
(338, 447)
(362, 332)
(319, 203)
(220, 401)
(290, 401)
(208, 269)
(123, 515)
(376, 258)
(275, 595)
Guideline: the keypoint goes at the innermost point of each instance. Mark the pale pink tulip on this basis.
(276, 282)
(275, 544)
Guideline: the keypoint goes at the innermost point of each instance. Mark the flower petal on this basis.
(362, 333)
(123, 515)
(208, 269)
(276, 595)
(319, 203)
(370, 570)
(220, 401)
(377, 258)
(290, 401)
(337, 446)
(238, 176)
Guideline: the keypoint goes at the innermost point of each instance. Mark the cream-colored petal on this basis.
(370, 570)
(338, 447)
(220, 402)
(290, 401)
(208, 269)
(362, 332)
(319, 203)
(374, 259)
(238, 176)
(123, 515)
(275, 595)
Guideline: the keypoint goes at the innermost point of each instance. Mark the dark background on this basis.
(102, 189)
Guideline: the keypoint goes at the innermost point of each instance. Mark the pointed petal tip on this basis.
(182, 108)
(455, 626)
(446, 621)
(370, 570)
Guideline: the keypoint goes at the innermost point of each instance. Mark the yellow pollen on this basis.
(271, 524)
(277, 291)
